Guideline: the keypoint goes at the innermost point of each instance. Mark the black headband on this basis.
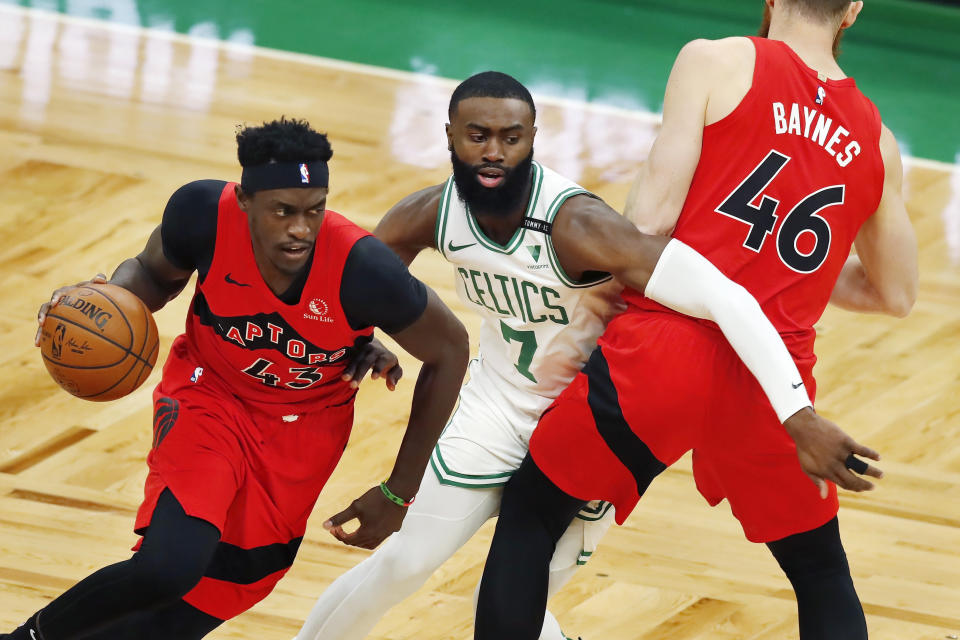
(285, 175)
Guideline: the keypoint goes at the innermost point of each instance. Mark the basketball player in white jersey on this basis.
(533, 255)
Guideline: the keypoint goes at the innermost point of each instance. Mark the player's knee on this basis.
(532, 502)
(812, 555)
(405, 565)
(163, 578)
(827, 602)
(409, 569)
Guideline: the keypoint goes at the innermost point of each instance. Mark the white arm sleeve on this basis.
(685, 281)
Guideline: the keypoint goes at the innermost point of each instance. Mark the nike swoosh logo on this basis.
(796, 386)
(232, 281)
(454, 247)
(33, 635)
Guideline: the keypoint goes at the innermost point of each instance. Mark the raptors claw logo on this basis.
(164, 417)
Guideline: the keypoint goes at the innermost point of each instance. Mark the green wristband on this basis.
(394, 498)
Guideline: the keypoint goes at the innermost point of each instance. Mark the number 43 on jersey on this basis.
(801, 219)
(305, 376)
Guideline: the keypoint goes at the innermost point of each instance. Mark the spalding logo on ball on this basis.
(81, 302)
(100, 342)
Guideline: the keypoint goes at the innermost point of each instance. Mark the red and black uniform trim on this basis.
(613, 426)
(232, 563)
(288, 342)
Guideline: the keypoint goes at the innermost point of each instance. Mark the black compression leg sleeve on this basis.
(534, 513)
(176, 621)
(173, 557)
(816, 565)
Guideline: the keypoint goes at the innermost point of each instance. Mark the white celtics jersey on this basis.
(539, 326)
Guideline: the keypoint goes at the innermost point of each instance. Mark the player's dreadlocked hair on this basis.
(282, 140)
(490, 84)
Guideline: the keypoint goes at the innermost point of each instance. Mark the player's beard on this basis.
(501, 200)
(765, 31)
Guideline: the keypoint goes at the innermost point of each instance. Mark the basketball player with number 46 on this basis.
(771, 164)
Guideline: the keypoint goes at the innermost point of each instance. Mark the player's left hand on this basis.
(378, 518)
(55, 299)
(823, 449)
(378, 360)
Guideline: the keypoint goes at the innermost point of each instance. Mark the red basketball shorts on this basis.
(248, 470)
(680, 386)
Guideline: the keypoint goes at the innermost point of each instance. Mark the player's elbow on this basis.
(727, 303)
(899, 294)
(457, 344)
(655, 210)
(741, 301)
(463, 347)
(900, 302)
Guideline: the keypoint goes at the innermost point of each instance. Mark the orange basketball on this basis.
(100, 343)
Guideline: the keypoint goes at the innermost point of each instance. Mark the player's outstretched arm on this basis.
(150, 275)
(439, 341)
(589, 236)
(184, 240)
(408, 227)
(882, 277)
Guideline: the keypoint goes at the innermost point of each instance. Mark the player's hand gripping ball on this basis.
(99, 342)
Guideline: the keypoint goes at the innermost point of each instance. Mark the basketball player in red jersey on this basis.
(771, 164)
(253, 411)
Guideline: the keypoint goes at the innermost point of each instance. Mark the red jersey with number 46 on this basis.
(783, 185)
(267, 351)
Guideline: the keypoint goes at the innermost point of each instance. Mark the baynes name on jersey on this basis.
(807, 122)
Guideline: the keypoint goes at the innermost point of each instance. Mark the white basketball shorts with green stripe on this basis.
(488, 436)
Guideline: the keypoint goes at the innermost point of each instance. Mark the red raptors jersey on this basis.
(265, 350)
(783, 185)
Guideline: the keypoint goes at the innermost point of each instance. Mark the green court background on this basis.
(904, 54)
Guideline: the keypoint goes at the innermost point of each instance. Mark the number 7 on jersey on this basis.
(528, 346)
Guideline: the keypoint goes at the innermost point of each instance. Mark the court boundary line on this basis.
(647, 117)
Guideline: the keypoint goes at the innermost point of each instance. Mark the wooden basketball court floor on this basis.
(99, 124)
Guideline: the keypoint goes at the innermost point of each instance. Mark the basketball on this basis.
(100, 342)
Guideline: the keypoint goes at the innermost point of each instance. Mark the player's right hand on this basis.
(823, 448)
(378, 518)
(55, 299)
(375, 358)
